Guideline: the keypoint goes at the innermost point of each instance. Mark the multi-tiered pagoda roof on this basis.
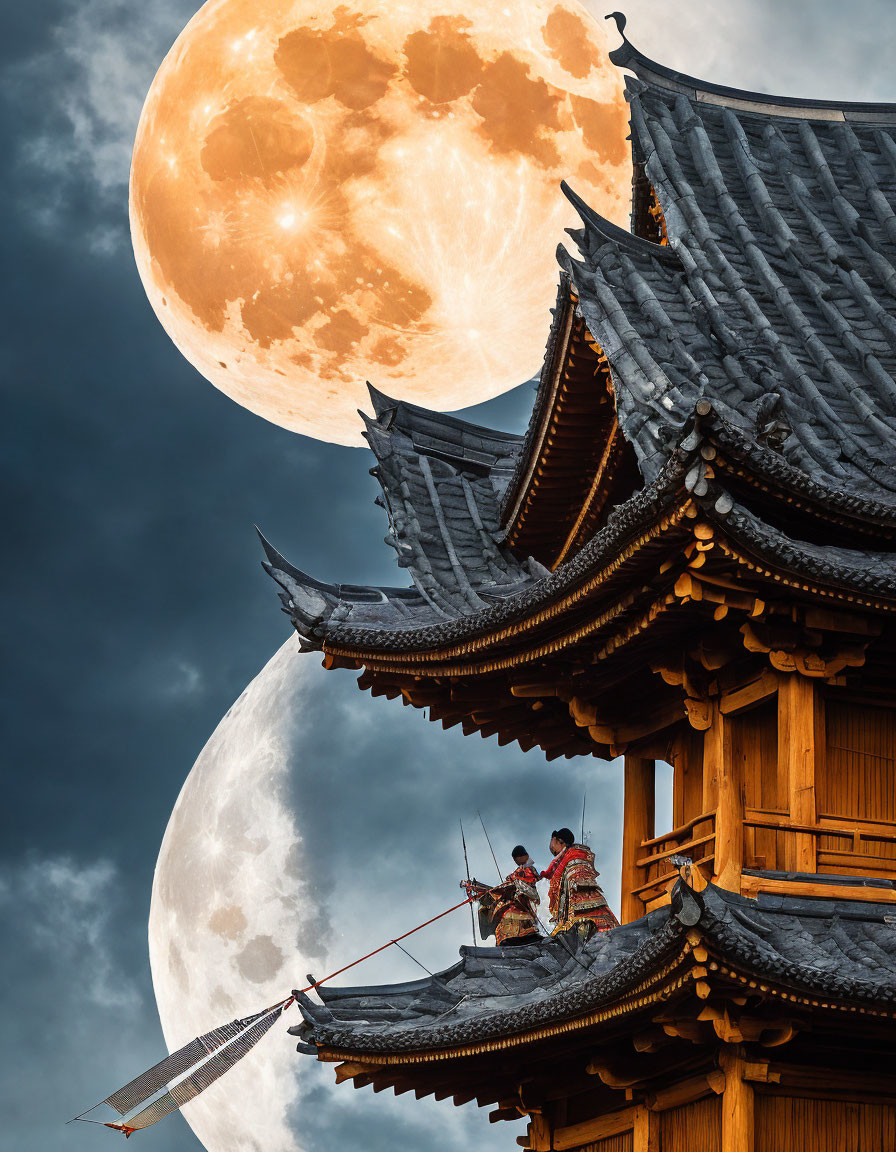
(480, 1027)
(717, 405)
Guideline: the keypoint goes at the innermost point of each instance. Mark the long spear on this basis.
(467, 866)
(494, 857)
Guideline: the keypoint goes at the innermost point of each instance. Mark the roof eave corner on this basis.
(307, 602)
(625, 52)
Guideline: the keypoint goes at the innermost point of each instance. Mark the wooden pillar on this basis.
(737, 1103)
(539, 1135)
(796, 763)
(637, 826)
(723, 789)
(645, 1131)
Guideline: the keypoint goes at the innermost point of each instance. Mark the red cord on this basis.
(389, 943)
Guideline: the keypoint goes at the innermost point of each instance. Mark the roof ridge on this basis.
(649, 71)
(383, 404)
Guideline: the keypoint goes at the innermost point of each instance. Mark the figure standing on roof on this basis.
(575, 897)
(508, 912)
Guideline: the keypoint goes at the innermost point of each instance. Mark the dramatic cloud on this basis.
(84, 86)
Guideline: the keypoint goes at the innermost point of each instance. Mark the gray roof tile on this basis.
(845, 950)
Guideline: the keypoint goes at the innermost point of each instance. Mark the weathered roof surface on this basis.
(386, 619)
(776, 297)
(845, 950)
(442, 482)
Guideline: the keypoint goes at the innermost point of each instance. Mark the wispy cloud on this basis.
(83, 88)
(84, 1022)
(65, 911)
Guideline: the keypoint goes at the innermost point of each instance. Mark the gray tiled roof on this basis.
(442, 481)
(845, 950)
(373, 618)
(777, 293)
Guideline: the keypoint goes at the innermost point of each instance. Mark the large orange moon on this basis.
(320, 196)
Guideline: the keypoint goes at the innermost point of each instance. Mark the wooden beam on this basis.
(687, 758)
(797, 735)
(538, 1137)
(349, 1069)
(646, 1131)
(590, 1131)
(737, 1103)
(687, 1091)
(749, 695)
(723, 781)
(752, 885)
(637, 826)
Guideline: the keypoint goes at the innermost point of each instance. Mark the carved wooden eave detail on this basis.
(694, 1002)
(575, 452)
(552, 679)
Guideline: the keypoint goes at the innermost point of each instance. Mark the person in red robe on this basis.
(508, 912)
(575, 898)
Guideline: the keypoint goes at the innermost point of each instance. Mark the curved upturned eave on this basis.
(611, 233)
(627, 56)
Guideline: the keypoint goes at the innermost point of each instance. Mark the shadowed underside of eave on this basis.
(580, 677)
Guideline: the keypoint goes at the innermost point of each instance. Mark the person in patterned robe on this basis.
(575, 898)
(508, 912)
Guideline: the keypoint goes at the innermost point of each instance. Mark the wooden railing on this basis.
(842, 846)
(855, 854)
(695, 839)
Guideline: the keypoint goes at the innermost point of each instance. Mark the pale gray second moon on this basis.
(316, 824)
(230, 912)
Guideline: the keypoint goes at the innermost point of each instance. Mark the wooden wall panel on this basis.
(687, 788)
(860, 775)
(622, 1143)
(858, 780)
(754, 737)
(795, 1124)
(693, 1127)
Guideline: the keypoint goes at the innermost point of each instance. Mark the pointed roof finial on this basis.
(620, 19)
(380, 401)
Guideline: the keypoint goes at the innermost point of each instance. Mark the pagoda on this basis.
(688, 557)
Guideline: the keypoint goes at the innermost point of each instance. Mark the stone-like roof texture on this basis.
(844, 950)
(776, 296)
(442, 481)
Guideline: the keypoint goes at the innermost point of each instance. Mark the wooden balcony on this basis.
(842, 848)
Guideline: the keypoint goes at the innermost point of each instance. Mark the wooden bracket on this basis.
(350, 1069)
(686, 1091)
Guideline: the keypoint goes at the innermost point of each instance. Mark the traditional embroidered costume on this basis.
(575, 897)
(508, 912)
